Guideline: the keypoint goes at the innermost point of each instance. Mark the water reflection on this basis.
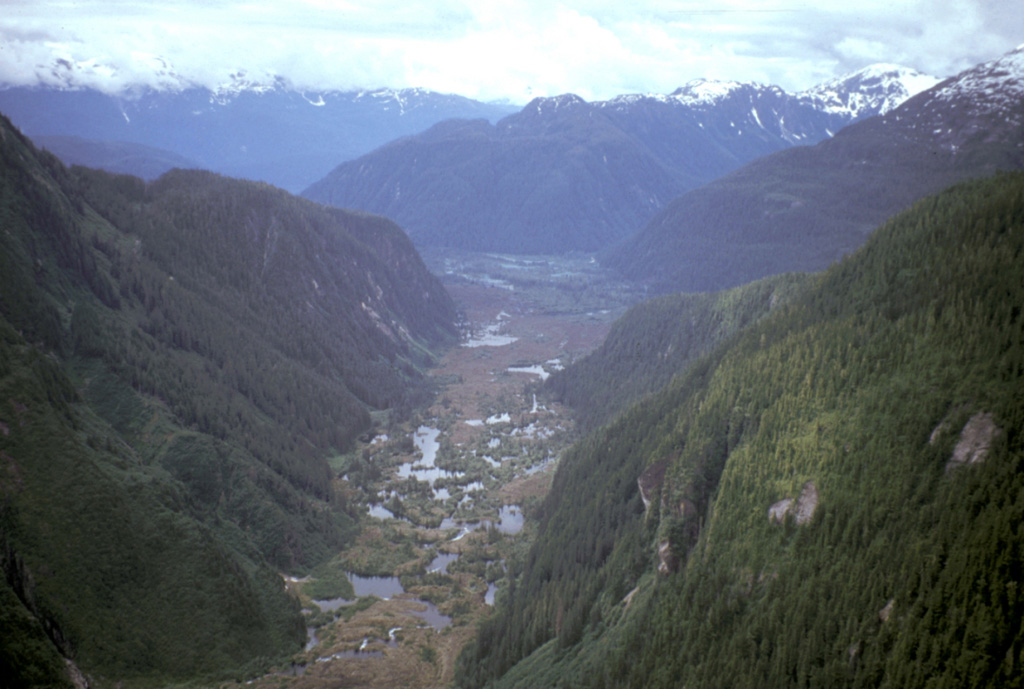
(510, 519)
(432, 616)
(382, 587)
(331, 604)
(424, 468)
(441, 562)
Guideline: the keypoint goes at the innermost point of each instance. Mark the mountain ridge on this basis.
(803, 208)
(563, 174)
(270, 133)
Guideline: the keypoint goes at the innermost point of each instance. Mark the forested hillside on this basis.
(833, 497)
(805, 207)
(658, 339)
(179, 361)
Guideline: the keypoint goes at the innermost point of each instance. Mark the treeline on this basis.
(906, 573)
(187, 354)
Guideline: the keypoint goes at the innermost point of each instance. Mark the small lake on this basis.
(510, 519)
(381, 512)
(424, 468)
(441, 562)
(331, 604)
(432, 616)
(382, 587)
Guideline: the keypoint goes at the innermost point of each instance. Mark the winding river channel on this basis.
(449, 501)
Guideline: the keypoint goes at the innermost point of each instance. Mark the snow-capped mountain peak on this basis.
(705, 92)
(240, 82)
(877, 88)
(552, 103)
(992, 86)
(984, 101)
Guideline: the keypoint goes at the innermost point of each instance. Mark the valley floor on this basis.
(448, 495)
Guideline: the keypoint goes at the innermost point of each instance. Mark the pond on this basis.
(424, 468)
(510, 519)
(432, 616)
(382, 587)
(441, 562)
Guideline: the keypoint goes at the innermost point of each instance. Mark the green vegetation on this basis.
(178, 361)
(906, 572)
(658, 339)
(329, 581)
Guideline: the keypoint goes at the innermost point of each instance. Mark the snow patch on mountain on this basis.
(240, 82)
(707, 92)
(547, 105)
(876, 89)
(991, 87)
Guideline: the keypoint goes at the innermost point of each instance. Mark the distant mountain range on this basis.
(270, 133)
(567, 175)
(802, 208)
(120, 157)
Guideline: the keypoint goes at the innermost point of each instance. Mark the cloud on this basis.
(491, 48)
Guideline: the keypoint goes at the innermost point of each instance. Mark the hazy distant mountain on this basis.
(114, 156)
(269, 133)
(564, 174)
(803, 208)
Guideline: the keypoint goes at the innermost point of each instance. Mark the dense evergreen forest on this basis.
(658, 339)
(833, 496)
(179, 360)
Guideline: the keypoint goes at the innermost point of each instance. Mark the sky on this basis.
(492, 49)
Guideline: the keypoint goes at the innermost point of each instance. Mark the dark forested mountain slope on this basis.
(802, 208)
(833, 497)
(658, 339)
(268, 132)
(178, 361)
(567, 175)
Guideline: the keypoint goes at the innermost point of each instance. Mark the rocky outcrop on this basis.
(975, 440)
(778, 511)
(667, 560)
(77, 677)
(650, 482)
(802, 508)
(886, 612)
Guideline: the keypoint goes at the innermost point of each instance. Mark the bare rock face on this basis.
(937, 432)
(886, 612)
(77, 677)
(802, 509)
(667, 561)
(686, 508)
(778, 511)
(975, 440)
(807, 504)
(650, 482)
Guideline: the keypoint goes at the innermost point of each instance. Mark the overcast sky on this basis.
(511, 49)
